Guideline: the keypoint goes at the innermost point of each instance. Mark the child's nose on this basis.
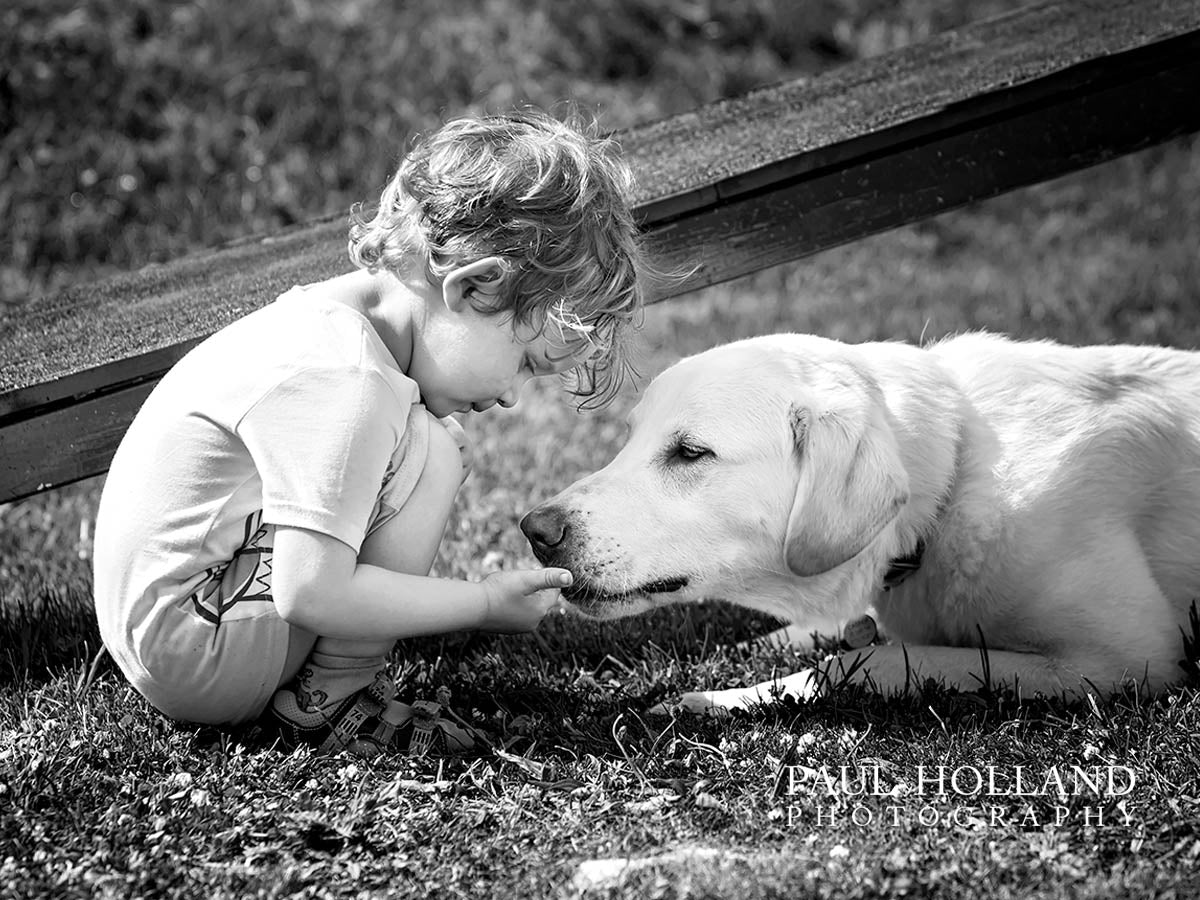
(509, 398)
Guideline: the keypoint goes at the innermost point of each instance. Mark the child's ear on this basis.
(483, 275)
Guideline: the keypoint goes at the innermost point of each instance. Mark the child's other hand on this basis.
(517, 600)
(459, 434)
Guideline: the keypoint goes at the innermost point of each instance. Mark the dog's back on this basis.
(1074, 527)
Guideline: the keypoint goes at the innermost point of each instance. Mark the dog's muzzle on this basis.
(555, 542)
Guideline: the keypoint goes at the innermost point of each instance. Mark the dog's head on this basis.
(748, 468)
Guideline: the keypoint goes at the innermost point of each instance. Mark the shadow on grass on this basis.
(586, 687)
(44, 627)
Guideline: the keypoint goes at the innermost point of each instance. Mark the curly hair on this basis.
(552, 201)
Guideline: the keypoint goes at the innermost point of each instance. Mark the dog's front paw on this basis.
(803, 685)
(710, 703)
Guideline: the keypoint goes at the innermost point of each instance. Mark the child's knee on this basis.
(445, 461)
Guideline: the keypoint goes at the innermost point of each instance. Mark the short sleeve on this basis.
(321, 441)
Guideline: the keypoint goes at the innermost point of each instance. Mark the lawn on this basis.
(204, 121)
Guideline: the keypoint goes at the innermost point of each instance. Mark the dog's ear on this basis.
(852, 484)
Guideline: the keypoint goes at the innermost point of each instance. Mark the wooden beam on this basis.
(918, 170)
(68, 443)
(732, 188)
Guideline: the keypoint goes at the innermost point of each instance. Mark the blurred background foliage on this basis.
(134, 130)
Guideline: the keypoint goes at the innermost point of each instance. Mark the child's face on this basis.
(467, 361)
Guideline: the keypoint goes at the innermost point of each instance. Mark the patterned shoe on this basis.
(368, 723)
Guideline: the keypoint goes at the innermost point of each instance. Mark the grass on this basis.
(99, 796)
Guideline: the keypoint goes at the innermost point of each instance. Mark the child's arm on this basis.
(320, 586)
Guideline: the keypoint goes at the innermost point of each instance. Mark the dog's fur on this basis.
(1056, 491)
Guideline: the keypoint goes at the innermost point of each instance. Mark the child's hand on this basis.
(517, 600)
(457, 432)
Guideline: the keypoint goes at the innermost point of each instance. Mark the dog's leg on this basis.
(806, 639)
(894, 670)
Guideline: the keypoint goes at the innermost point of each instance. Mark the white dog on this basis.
(1043, 501)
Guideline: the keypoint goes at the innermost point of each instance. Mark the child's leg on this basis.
(403, 540)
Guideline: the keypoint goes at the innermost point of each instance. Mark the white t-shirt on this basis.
(296, 412)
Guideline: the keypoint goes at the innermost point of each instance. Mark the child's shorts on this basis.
(218, 656)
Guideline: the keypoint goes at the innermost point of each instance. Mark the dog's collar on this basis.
(901, 567)
(860, 632)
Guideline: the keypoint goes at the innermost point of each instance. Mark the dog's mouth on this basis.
(586, 596)
(666, 586)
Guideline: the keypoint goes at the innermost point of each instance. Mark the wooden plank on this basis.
(736, 186)
(748, 143)
(136, 324)
(39, 399)
(937, 172)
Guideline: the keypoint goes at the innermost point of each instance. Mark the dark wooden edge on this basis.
(66, 444)
(41, 399)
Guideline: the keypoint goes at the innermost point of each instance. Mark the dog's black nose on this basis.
(546, 528)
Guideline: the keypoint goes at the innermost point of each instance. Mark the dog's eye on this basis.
(691, 451)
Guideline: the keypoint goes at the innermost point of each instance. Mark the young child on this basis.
(269, 521)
